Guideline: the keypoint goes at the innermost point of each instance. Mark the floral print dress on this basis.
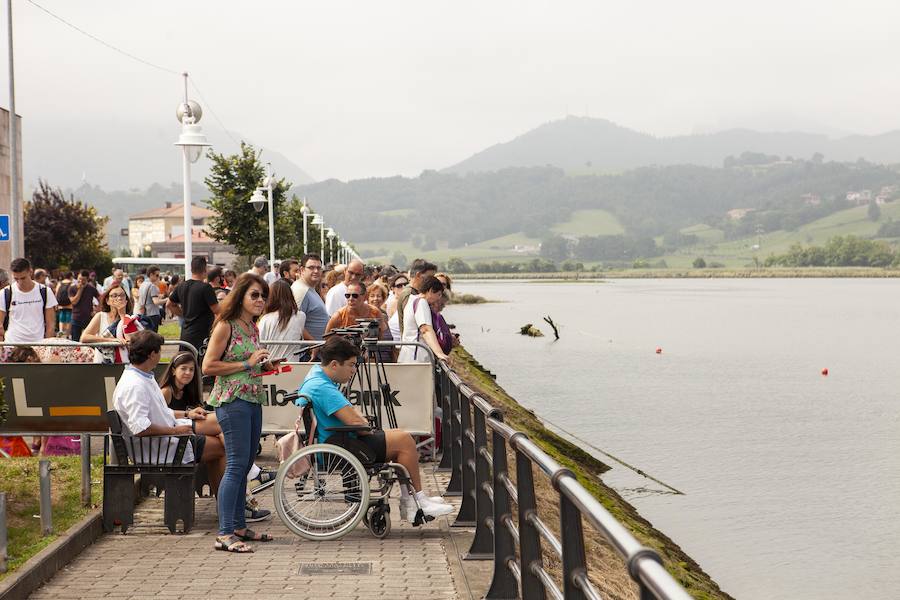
(246, 385)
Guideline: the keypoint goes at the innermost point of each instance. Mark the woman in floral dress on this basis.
(235, 357)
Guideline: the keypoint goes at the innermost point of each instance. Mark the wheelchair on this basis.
(323, 491)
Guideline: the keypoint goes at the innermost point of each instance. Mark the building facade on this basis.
(161, 225)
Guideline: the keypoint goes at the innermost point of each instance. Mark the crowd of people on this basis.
(239, 326)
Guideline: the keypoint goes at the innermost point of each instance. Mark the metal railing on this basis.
(479, 472)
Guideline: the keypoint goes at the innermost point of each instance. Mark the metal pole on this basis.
(322, 241)
(186, 194)
(271, 221)
(46, 510)
(3, 554)
(86, 469)
(16, 243)
(305, 212)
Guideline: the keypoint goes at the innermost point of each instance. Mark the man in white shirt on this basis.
(143, 411)
(149, 302)
(418, 326)
(118, 275)
(29, 306)
(354, 273)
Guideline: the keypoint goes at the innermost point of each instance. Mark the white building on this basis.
(162, 225)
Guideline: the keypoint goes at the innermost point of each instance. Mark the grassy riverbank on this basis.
(19, 478)
(608, 571)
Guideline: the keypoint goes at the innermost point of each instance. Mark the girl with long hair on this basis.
(237, 360)
(282, 321)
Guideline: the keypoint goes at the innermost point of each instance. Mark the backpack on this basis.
(7, 303)
(62, 296)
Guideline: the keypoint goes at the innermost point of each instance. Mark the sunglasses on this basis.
(351, 296)
(400, 284)
(254, 295)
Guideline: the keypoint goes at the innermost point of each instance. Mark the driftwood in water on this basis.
(553, 325)
(530, 330)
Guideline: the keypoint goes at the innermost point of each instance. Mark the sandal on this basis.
(251, 536)
(232, 543)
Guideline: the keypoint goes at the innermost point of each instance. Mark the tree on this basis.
(458, 265)
(231, 181)
(556, 248)
(289, 231)
(874, 211)
(62, 232)
(699, 263)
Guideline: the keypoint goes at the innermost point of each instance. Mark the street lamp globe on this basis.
(192, 139)
(330, 234)
(304, 209)
(258, 200)
(318, 220)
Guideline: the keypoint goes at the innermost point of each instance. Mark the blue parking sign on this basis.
(4, 228)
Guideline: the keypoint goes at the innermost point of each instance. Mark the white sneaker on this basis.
(408, 508)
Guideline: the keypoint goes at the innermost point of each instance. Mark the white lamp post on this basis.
(192, 142)
(320, 222)
(330, 235)
(258, 201)
(305, 211)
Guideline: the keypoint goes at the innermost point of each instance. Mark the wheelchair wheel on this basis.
(379, 520)
(329, 498)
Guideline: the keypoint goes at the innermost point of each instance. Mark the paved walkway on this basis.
(148, 562)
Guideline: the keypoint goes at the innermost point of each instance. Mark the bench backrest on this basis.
(141, 454)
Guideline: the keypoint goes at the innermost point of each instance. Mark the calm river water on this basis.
(790, 477)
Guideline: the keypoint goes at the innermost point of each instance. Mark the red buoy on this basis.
(825, 371)
(658, 350)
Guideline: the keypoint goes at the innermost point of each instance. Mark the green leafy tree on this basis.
(231, 181)
(699, 263)
(556, 248)
(61, 232)
(458, 265)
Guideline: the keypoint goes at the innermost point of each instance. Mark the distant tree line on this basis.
(840, 251)
(648, 201)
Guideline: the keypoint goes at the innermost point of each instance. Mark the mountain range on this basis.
(583, 144)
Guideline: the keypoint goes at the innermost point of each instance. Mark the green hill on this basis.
(740, 252)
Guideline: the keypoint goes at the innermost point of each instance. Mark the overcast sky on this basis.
(360, 89)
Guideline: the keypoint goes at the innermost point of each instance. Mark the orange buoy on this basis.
(825, 371)
(658, 350)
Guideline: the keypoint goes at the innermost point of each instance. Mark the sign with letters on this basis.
(74, 397)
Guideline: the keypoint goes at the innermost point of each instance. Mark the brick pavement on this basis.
(148, 562)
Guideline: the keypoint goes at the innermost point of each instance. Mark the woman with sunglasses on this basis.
(236, 358)
(115, 306)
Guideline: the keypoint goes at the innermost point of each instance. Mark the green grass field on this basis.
(590, 222)
(739, 253)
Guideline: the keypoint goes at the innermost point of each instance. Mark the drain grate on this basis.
(336, 568)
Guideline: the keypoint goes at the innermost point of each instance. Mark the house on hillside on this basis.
(811, 199)
(736, 214)
(162, 224)
(859, 198)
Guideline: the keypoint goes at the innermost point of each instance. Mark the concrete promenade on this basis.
(413, 562)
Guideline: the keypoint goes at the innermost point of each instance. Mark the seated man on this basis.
(332, 409)
(143, 411)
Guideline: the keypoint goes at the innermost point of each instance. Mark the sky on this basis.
(368, 89)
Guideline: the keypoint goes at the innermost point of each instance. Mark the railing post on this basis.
(482, 547)
(446, 440)
(86, 469)
(454, 487)
(503, 583)
(529, 537)
(3, 538)
(46, 510)
(572, 534)
(466, 515)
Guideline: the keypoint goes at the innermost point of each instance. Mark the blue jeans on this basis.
(241, 424)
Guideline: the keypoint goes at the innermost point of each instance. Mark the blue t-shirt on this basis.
(327, 399)
(316, 316)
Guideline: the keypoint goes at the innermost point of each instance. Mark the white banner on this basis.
(412, 396)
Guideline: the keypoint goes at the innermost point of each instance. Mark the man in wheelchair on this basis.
(332, 409)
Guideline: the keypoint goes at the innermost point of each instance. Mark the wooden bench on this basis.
(165, 471)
